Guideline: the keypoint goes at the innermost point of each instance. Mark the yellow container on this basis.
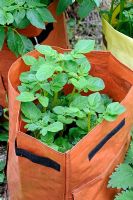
(120, 45)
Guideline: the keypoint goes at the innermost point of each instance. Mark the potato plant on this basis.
(55, 118)
(18, 14)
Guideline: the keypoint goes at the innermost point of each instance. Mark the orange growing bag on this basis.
(55, 34)
(35, 171)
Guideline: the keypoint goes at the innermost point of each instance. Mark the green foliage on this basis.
(15, 15)
(2, 175)
(122, 178)
(85, 6)
(124, 19)
(4, 128)
(56, 119)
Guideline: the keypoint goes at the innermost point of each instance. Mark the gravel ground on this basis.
(88, 28)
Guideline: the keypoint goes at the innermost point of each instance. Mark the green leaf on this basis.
(106, 100)
(24, 44)
(109, 117)
(35, 18)
(19, 16)
(122, 177)
(29, 60)
(63, 144)
(59, 81)
(84, 46)
(23, 24)
(95, 84)
(82, 123)
(33, 127)
(12, 39)
(4, 137)
(9, 18)
(60, 110)
(46, 15)
(80, 84)
(31, 111)
(71, 111)
(55, 127)
(2, 177)
(70, 66)
(45, 71)
(115, 108)
(44, 131)
(2, 17)
(65, 120)
(80, 102)
(2, 164)
(97, 2)
(125, 195)
(76, 132)
(28, 77)
(43, 100)
(85, 8)
(95, 102)
(48, 138)
(20, 2)
(129, 156)
(84, 66)
(54, 146)
(62, 5)
(46, 87)
(2, 36)
(46, 50)
(26, 97)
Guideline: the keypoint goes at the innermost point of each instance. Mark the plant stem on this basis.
(111, 11)
(55, 100)
(122, 3)
(89, 121)
(73, 92)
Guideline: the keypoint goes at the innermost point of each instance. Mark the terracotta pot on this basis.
(35, 171)
(57, 36)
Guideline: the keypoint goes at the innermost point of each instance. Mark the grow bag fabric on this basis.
(35, 171)
(55, 34)
(120, 45)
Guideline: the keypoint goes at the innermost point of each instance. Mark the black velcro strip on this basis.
(105, 139)
(43, 35)
(47, 162)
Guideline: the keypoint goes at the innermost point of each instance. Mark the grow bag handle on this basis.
(96, 149)
(43, 35)
(47, 162)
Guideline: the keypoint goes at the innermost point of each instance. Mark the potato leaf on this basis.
(45, 71)
(55, 127)
(35, 18)
(44, 101)
(26, 97)
(29, 60)
(31, 111)
(115, 108)
(84, 46)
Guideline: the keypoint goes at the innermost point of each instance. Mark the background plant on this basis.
(124, 20)
(122, 178)
(3, 141)
(18, 14)
(58, 119)
(84, 8)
